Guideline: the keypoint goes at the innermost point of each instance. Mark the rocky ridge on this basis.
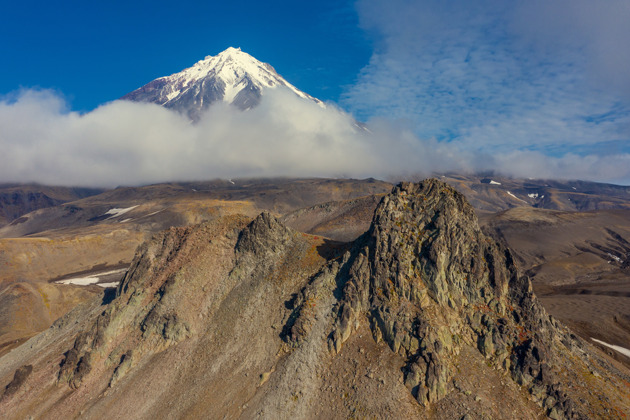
(257, 320)
(431, 282)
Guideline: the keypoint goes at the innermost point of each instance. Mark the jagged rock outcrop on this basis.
(149, 314)
(422, 316)
(19, 378)
(431, 282)
(160, 302)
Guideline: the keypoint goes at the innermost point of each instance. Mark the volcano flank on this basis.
(421, 316)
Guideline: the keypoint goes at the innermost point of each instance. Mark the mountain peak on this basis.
(232, 76)
(229, 51)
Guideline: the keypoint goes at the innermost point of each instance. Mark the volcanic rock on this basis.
(421, 316)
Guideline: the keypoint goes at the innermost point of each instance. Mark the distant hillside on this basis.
(17, 200)
(496, 193)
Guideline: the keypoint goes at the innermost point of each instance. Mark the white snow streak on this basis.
(110, 284)
(614, 257)
(619, 349)
(91, 279)
(115, 212)
(516, 197)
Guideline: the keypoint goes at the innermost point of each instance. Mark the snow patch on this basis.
(534, 195)
(614, 257)
(620, 349)
(115, 212)
(80, 281)
(493, 182)
(91, 279)
(516, 197)
(110, 284)
(172, 95)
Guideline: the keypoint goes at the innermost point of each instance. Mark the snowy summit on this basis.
(232, 76)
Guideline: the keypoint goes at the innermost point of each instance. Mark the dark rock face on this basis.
(264, 235)
(19, 378)
(16, 201)
(193, 101)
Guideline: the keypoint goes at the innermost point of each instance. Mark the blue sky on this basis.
(535, 88)
(94, 52)
(551, 76)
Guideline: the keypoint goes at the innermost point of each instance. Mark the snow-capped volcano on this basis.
(232, 76)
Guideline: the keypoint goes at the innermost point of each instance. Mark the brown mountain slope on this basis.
(424, 316)
(339, 220)
(496, 193)
(163, 205)
(100, 233)
(87, 236)
(17, 200)
(28, 308)
(579, 266)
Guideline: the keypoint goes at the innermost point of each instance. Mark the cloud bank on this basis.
(127, 143)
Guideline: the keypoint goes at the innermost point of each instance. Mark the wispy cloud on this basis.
(500, 77)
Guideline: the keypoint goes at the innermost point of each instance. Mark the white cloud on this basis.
(599, 30)
(127, 143)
